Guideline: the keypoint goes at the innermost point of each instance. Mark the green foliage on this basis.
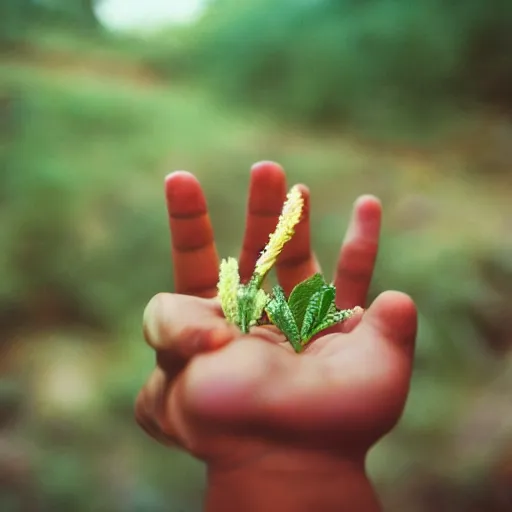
(251, 302)
(17, 16)
(73, 161)
(302, 294)
(281, 316)
(310, 309)
(356, 64)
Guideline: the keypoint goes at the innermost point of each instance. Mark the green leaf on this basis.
(301, 296)
(281, 316)
(328, 322)
(328, 297)
(342, 315)
(317, 311)
(331, 319)
(310, 316)
(249, 301)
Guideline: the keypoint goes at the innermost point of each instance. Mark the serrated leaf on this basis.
(310, 315)
(301, 296)
(344, 314)
(328, 296)
(317, 311)
(281, 316)
(330, 320)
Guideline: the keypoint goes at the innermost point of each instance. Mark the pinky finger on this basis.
(358, 253)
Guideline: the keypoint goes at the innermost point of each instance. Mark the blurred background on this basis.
(99, 100)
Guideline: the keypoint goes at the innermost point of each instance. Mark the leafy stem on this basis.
(311, 306)
(309, 310)
(243, 304)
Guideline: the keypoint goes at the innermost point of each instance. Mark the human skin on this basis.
(279, 431)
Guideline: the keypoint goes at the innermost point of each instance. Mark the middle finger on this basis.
(267, 194)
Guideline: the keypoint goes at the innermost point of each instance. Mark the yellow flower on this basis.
(229, 281)
(289, 218)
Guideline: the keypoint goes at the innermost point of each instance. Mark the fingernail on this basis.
(149, 325)
(176, 174)
(366, 218)
(365, 198)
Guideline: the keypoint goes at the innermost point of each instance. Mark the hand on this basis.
(279, 431)
(250, 406)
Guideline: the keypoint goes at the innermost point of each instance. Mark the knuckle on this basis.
(356, 263)
(354, 274)
(361, 250)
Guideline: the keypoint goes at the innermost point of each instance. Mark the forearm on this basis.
(333, 486)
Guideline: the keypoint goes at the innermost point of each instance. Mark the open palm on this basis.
(230, 398)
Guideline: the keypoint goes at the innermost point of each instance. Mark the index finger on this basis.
(194, 254)
(267, 192)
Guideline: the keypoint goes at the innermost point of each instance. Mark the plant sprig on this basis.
(310, 308)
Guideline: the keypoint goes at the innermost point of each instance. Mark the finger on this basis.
(150, 408)
(358, 253)
(267, 193)
(194, 255)
(178, 327)
(297, 262)
(390, 322)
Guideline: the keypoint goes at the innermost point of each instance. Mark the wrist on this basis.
(291, 481)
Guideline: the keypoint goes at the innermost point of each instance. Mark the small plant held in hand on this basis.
(309, 310)
(311, 306)
(243, 304)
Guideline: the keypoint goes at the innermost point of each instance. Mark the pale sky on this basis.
(147, 14)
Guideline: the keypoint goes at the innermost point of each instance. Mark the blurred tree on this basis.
(352, 62)
(18, 15)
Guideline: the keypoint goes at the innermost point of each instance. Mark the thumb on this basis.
(392, 319)
(178, 327)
